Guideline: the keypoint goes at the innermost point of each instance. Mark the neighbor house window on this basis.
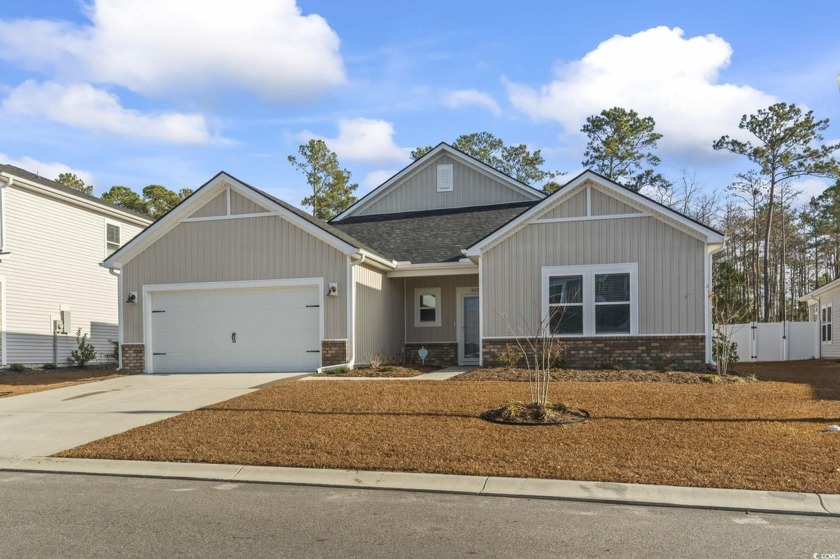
(590, 300)
(112, 238)
(427, 306)
(825, 324)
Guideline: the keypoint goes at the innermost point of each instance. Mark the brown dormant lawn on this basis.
(766, 435)
(14, 384)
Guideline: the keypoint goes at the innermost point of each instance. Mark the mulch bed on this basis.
(605, 375)
(25, 382)
(385, 371)
(766, 435)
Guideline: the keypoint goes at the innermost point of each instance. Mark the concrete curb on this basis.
(617, 493)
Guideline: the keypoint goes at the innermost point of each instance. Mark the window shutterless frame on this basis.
(589, 273)
(427, 306)
(826, 324)
(113, 234)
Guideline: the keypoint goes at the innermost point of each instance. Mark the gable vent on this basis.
(444, 178)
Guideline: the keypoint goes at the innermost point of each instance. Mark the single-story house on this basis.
(52, 241)
(449, 256)
(820, 305)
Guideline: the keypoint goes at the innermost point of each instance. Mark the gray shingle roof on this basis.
(432, 235)
(32, 177)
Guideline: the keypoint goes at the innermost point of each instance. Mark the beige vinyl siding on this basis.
(215, 207)
(240, 205)
(379, 314)
(447, 284)
(573, 207)
(419, 191)
(56, 248)
(671, 267)
(832, 350)
(258, 248)
(604, 204)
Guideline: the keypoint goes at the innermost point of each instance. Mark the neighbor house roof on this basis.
(37, 179)
(431, 235)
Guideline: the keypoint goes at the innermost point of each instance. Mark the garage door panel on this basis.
(274, 329)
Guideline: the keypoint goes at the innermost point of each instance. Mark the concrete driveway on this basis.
(44, 423)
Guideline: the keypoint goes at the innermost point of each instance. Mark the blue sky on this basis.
(133, 93)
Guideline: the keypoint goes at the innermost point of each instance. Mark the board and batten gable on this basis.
(418, 190)
(670, 259)
(263, 247)
(55, 249)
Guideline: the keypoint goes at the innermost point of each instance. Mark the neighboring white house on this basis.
(823, 303)
(52, 241)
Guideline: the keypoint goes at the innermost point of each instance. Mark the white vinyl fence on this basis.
(775, 341)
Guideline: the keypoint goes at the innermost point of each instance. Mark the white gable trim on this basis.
(648, 207)
(814, 295)
(207, 192)
(416, 166)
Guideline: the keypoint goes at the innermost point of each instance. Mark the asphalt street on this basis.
(57, 515)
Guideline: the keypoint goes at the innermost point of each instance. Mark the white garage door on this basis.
(233, 330)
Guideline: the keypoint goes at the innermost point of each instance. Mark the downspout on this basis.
(352, 362)
(708, 300)
(118, 275)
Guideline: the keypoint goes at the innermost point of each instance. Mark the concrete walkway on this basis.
(47, 422)
(443, 374)
(619, 493)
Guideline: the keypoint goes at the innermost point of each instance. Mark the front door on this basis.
(469, 340)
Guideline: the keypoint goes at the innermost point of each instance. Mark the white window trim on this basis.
(824, 323)
(119, 226)
(435, 291)
(588, 272)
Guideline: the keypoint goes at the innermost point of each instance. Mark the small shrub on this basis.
(749, 377)
(375, 360)
(710, 378)
(49, 366)
(512, 410)
(509, 357)
(17, 367)
(388, 369)
(114, 355)
(341, 371)
(84, 351)
(663, 362)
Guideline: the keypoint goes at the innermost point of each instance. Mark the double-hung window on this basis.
(112, 238)
(591, 300)
(825, 324)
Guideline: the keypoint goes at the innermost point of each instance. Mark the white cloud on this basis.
(84, 106)
(375, 178)
(154, 46)
(467, 97)
(656, 72)
(365, 140)
(809, 187)
(49, 170)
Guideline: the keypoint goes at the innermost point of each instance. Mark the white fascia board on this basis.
(569, 189)
(408, 270)
(114, 212)
(820, 291)
(425, 161)
(199, 198)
